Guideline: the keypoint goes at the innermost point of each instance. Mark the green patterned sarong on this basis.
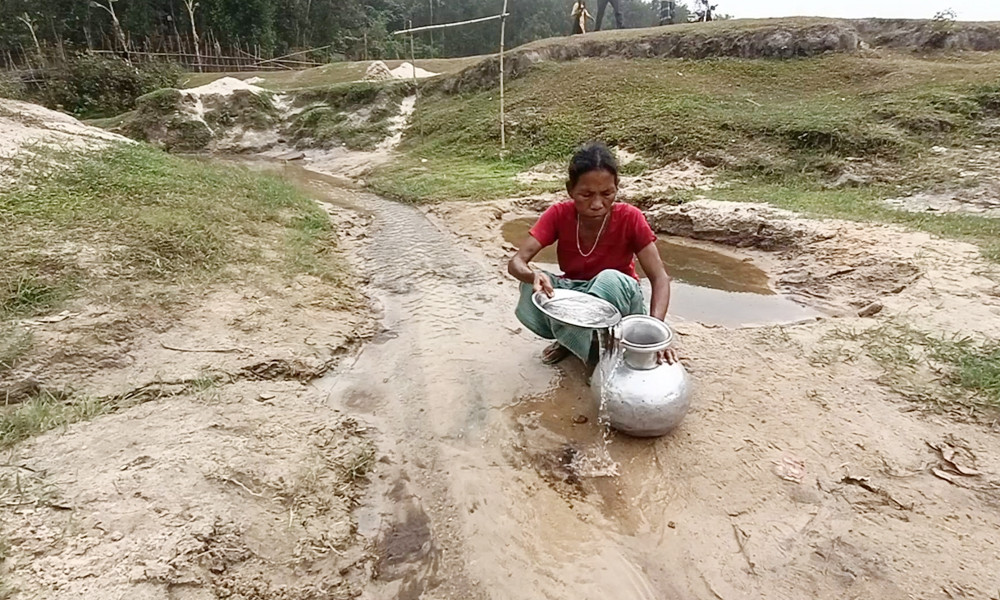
(614, 286)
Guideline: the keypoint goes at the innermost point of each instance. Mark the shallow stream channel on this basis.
(492, 480)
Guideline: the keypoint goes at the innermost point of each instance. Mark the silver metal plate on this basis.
(578, 309)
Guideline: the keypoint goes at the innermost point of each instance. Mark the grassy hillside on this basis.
(770, 115)
(781, 130)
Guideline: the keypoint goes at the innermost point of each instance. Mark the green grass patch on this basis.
(44, 412)
(133, 214)
(975, 366)
(784, 129)
(953, 374)
(15, 343)
(352, 96)
(25, 294)
(439, 176)
(667, 109)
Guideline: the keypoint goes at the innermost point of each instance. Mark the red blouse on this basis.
(625, 234)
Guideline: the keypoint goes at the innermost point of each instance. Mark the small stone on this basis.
(871, 310)
(672, 525)
(580, 419)
(116, 536)
(265, 396)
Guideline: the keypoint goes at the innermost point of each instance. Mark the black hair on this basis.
(594, 156)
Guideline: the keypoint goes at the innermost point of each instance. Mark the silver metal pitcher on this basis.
(641, 397)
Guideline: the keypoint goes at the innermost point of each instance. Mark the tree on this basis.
(30, 24)
(109, 7)
(347, 27)
(190, 5)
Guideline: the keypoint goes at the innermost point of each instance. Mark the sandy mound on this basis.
(379, 71)
(408, 71)
(227, 115)
(26, 129)
(223, 87)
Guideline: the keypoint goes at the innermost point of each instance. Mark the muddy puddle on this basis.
(710, 286)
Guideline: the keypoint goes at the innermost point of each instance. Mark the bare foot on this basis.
(554, 353)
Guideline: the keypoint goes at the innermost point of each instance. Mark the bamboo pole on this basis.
(413, 61)
(416, 86)
(413, 29)
(503, 114)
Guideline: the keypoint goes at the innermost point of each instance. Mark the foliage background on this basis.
(276, 27)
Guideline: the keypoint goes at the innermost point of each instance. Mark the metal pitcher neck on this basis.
(641, 333)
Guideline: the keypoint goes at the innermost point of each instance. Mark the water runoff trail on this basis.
(481, 491)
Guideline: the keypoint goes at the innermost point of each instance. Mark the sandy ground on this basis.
(219, 471)
(224, 474)
(28, 131)
(802, 471)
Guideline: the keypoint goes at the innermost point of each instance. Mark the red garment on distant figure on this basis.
(626, 233)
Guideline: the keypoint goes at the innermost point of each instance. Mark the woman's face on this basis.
(594, 193)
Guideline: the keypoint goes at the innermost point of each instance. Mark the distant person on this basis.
(580, 16)
(603, 4)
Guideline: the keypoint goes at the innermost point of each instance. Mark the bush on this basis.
(11, 87)
(89, 86)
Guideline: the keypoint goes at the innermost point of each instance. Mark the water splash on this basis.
(581, 309)
(598, 462)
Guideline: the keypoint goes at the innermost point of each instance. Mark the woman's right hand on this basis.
(543, 283)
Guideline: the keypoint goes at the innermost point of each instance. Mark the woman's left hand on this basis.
(668, 356)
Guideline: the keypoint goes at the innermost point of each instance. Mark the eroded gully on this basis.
(483, 490)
